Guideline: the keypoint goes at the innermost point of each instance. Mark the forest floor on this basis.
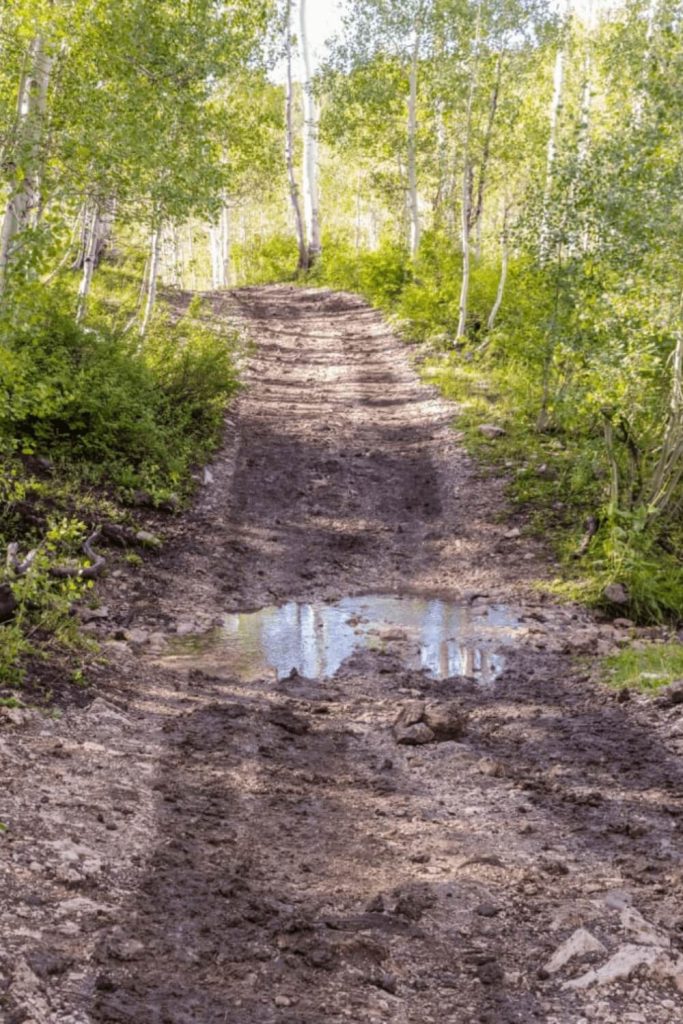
(211, 842)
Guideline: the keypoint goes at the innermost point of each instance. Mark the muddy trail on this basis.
(346, 762)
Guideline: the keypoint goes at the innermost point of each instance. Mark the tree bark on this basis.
(31, 113)
(153, 277)
(289, 148)
(467, 186)
(554, 117)
(503, 272)
(486, 154)
(89, 262)
(413, 200)
(311, 198)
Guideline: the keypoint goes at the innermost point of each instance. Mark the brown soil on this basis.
(191, 848)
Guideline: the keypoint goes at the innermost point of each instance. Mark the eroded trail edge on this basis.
(200, 845)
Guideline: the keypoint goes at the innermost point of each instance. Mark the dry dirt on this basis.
(192, 848)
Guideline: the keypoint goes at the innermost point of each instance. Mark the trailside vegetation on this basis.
(122, 126)
(504, 178)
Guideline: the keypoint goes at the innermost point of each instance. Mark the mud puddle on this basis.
(437, 636)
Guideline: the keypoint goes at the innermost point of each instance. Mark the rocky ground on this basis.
(380, 846)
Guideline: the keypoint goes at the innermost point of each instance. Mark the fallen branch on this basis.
(592, 524)
(13, 563)
(88, 572)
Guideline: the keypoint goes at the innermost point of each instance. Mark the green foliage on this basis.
(134, 415)
(264, 260)
(380, 275)
(645, 667)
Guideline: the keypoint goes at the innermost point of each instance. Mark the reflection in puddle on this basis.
(443, 638)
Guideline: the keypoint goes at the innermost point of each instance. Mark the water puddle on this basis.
(440, 637)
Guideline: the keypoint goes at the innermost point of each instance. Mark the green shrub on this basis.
(130, 414)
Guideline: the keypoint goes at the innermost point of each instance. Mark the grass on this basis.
(647, 669)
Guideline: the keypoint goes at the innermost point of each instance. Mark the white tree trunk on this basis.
(24, 202)
(413, 200)
(311, 198)
(502, 280)
(289, 147)
(466, 219)
(554, 118)
(224, 241)
(152, 279)
(483, 172)
(89, 261)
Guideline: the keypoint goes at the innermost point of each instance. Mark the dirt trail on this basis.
(196, 848)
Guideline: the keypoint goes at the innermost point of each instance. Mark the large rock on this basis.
(413, 735)
(619, 967)
(579, 944)
(447, 721)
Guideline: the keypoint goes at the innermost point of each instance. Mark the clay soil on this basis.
(192, 848)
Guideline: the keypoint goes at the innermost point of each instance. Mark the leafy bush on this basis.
(135, 415)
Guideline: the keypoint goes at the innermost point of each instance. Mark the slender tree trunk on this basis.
(152, 279)
(311, 198)
(88, 263)
(466, 221)
(76, 230)
(224, 239)
(413, 200)
(486, 154)
(31, 114)
(289, 148)
(503, 272)
(555, 110)
(215, 256)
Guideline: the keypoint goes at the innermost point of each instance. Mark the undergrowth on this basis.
(559, 382)
(93, 421)
(647, 668)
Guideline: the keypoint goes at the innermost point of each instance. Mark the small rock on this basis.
(624, 623)
(282, 1001)
(672, 694)
(513, 534)
(158, 641)
(208, 477)
(148, 540)
(487, 910)
(413, 735)
(616, 593)
(491, 973)
(491, 431)
(94, 614)
(642, 931)
(578, 944)
(137, 637)
(186, 628)
(619, 967)
(125, 949)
